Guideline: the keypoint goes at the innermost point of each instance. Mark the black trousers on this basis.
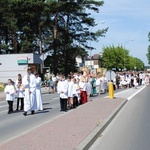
(75, 102)
(140, 81)
(63, 104)
(22, 103)
(10, 106)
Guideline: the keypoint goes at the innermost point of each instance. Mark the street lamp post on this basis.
(124, 51)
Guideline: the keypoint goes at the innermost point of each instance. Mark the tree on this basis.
(71, 28)
(8, 27)
(58, 27)
(114, 57)
(118, 57)
(138, 64)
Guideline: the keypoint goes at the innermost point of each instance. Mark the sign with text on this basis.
(22, 60)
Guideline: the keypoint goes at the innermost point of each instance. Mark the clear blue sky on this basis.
(127, 20)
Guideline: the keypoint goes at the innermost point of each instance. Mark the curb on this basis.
(91, 138)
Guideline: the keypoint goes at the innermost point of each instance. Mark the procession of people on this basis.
(73, 90)
(27, 90)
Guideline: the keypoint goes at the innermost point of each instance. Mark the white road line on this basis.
(118, 93)
(2, 101)
(3, 111)
(129, 98)
(56, 98)
(3, 106)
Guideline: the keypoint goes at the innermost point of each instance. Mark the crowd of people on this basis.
(27, 90)
(73, 90)
(78, 87)
(131, 79)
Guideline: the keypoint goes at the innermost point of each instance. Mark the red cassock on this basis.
(83, 97)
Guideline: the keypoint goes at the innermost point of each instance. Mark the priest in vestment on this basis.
(29, 83)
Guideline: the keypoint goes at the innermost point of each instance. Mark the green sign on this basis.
(22, 62)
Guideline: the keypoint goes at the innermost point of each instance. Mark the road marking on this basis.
(127, 91)
(56, 98)
(118, 93)
(129, 98)
(2, 101)
(3, 111)
(3, 106)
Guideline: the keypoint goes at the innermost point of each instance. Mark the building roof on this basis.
(95, 56)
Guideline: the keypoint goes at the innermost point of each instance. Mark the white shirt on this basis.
(20, 92)
(98, 81)
(83, 86)
(29, 83)
(62, 89)
(10, 96)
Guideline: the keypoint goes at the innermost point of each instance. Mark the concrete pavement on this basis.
(76, 129)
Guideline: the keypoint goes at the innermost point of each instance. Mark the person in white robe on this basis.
(104, 84)
(146, 80)
(135, 82)
(83, 88)
(20, 95)
(29, 83)
(39, 100)
(10, 95)
(89, 88)
(62, 89)
(19, 79)
(98, 84)
(77, 91)
(70, 92)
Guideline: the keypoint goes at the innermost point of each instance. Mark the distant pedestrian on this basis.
(98, 84)
(51, 84)
(62, 89)
(147, 80)
(135, 82)
(117, 79)
(38, 92)
(89, 88)
(93, 82)
(10, 91)
(55, 81)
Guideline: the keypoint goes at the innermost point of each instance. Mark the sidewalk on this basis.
(76, 129)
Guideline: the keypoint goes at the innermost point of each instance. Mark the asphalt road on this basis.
(15, 124)
(130, 130)
(12, 125)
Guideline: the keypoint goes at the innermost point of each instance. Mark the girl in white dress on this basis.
(10, 91)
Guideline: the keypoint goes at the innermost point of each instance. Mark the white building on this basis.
(13, 64)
